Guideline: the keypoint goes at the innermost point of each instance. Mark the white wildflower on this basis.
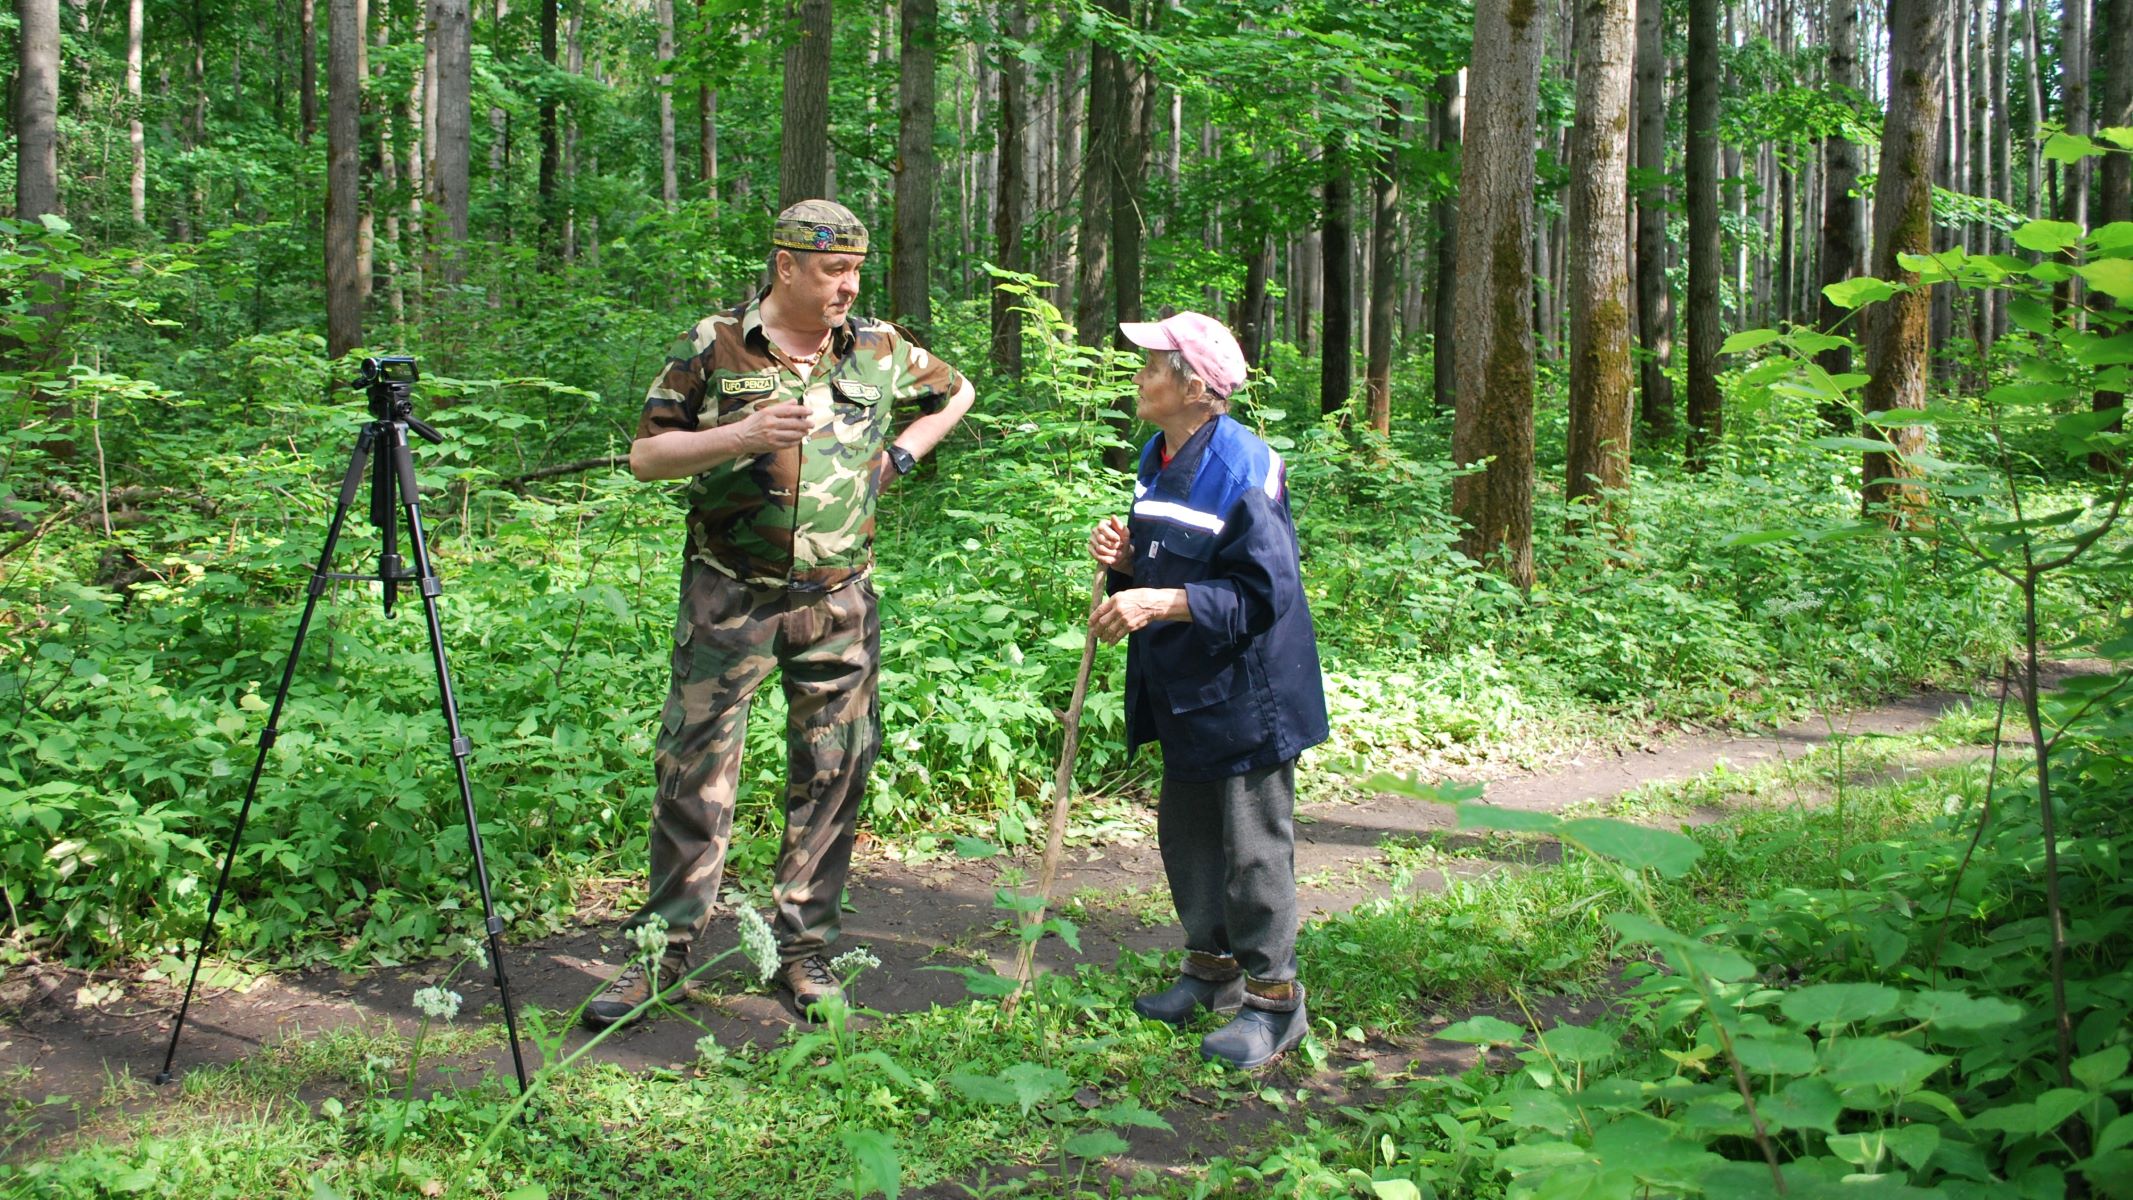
(437, 1003)
(850, 963)
(470, 948)
(758, 943)
(650, 938)
(708, 1052)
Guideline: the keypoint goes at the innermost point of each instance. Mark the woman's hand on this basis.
(1110, 545)
(1131, 610)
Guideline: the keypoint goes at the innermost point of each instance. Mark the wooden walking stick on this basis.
(1062, 793)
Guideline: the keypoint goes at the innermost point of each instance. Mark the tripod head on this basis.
(389, 383)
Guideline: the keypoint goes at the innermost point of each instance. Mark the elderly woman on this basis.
(1222, 671)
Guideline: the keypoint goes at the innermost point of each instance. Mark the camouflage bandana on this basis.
(821, 226)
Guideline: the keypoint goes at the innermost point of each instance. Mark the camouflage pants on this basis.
(827, 648)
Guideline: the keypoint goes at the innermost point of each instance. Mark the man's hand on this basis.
(1110, 545)
(1131, 610)
(772, 427)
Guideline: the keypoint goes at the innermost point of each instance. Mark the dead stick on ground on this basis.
(1062, 794)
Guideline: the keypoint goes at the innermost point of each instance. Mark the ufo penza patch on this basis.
(746, 385)
(825, 237)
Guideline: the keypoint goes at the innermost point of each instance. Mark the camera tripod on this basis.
(382, 446)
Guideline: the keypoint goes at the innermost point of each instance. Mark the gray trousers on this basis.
(1229, 848)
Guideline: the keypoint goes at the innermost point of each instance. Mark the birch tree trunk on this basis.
(549, 223)
(669, 183)
(1599, 434)
(136, 141)
(307, 74)
(1493, 428)
(1896, 346)
(455, 131)
(1841, 217)
(1384, 252)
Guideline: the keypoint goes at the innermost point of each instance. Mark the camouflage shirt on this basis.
(803, 517)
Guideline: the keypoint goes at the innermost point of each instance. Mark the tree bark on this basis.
(911, 239)
(37, 109)
(1451, 114)
(2114, 184)
(803, 162)
(1010, 186)
(1493, 431)
(551, 148)
(663, 51)
(449, 172)
(1092, 276)
(1336, 364)
(307, 77)
(1841, 216)
(1384, 275)
(1896, 348)
(1599, 435)
(344, 85)
(1655, 296)
(1706, 408)
(1129, 178)
(136, 141)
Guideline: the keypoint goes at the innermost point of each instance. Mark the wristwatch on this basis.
(903, 460)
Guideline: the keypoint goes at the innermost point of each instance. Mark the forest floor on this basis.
(77, 1047)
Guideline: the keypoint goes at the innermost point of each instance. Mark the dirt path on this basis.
(64, 1033)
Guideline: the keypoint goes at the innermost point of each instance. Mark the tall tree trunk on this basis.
(1451, 114)
(803, 162)
(2034, 61)
(1896, 348)
(1336, 364)
(1493, 430)
(1841, 217)
(136, 141)
(707, 140)
(1105, 122)
(550, 240)
(2074, 108)
(663, 52)
(1129, 178)
(573, 62)
(1655, 296)
(344, 85)
(37, 109)
(1254, 309)
(1706, 409)
(1384, 253)
(307, 77)
(1599, 435)
(1010, 188)
(449, 174)
(911, 241)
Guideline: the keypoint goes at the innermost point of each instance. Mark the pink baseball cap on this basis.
(1206, 344)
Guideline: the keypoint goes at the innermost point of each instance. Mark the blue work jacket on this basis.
(1238, 687)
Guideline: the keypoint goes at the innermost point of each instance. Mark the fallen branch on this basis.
(519, 482)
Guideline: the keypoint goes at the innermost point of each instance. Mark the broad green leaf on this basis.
(2118, 135)
(979, 983)
(1914, 1143)
(1804, 1104)
(1757, 537)
(2111, 276)
(1863, 289)
(1535, 1109)
(1395, 1189)
(1034, 1083)
(970, 847)
(1484, 1030)
(1578, 1044)
(1958, 1010)
(1858, 444)
(2046, 236)
(1878, 1062)
(1512, 820)
(2118, 1133)
(1665, 851)
(1128, 1113)
(985, 1089)
(1863, 1150)
(2056, 1105)
(1839, 1003)
(1441, 792)
(1749, 339)
(2066, 147)
(1781, 1055)
(1096, 1143)
(2101, 1069)
(531, 1191)
(875, 1152)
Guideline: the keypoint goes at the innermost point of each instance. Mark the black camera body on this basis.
(389, 382)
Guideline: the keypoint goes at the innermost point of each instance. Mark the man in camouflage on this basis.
(778, 413)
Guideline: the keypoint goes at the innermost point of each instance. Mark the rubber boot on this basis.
(1210, 981)
(1271, 1023)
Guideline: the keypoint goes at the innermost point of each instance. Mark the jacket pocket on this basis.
(1195, 695)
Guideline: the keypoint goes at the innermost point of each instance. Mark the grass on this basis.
(768, 1122)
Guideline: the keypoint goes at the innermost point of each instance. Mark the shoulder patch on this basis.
(854, 389)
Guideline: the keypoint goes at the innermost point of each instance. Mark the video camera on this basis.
(389, 382)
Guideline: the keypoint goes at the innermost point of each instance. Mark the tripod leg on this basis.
(411, 497)
(317, 588)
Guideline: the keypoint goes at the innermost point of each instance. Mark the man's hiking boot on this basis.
(1271, 1023)
(1211, 981)
(810, 982)
(631, 987)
